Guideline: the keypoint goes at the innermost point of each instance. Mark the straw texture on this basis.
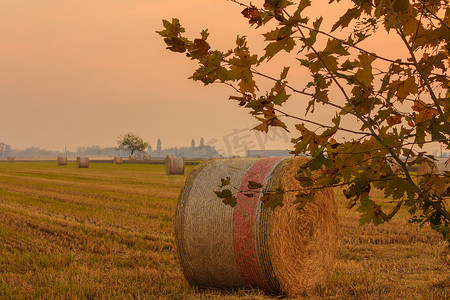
(174, 165)
(62, 161)
(11, 159)
(82, 162)
(147, 158)
(280, 251)
(118, 160)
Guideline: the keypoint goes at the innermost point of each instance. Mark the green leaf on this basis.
(317, 162)
(284, 73)
(224, 182)
(303, 198)
(285, 43)
(302, 5)
(343, 21)
(201, 48)
(348, 65)
(404, 88)
(280, 98)
(276, 4)
(175, 44)
(335, 46)
(227, 197)
(364, 74)
(204, 34)
(273, 199)
(398, 187)
(253, 185)
(309, 42)
(370, 212)
(173, 28)
(305, 181)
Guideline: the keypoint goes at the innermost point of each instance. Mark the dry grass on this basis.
(107, 232)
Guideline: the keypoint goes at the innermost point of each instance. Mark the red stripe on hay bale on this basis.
(244, 226)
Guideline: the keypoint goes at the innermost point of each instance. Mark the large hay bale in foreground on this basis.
(285, 250)
(82, 162)
(11, 159)
(174, 165)
(61, 160)
(118, 160)
(438, 167)
(147, 158)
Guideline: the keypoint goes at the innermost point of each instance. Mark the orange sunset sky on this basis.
(81, 72)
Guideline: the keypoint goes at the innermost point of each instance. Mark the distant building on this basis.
(269, 153)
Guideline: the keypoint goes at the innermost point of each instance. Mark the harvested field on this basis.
(107, 232)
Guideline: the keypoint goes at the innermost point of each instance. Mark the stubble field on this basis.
(107, 232)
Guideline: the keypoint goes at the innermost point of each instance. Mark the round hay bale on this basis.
(118, 160)
(174, 165)
(395, 167)
(82, 162)
(62, 160)
(235, 156)
(11, 159)
(425, 170)
(147, 158)
(132, 158)
(285, 250)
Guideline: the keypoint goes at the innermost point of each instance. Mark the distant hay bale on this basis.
(426, 170)
(174, 165)
(132, 158)
(62, 160)
(261, 156)
(235, 156)
(395, 167)
(82, 162)
(118, 160)
(147, 158)
(11, 159)
(285, 250)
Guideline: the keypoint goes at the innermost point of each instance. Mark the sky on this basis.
(78, 73)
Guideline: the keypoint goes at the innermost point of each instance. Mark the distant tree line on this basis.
(200, 151)
(38, 152)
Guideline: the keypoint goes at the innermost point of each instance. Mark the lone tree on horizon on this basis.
(384, 108)
(131, 143)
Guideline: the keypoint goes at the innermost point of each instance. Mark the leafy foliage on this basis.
(396, 105)
(131, 143)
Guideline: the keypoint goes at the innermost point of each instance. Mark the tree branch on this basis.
(434, 15)
(419, 70)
